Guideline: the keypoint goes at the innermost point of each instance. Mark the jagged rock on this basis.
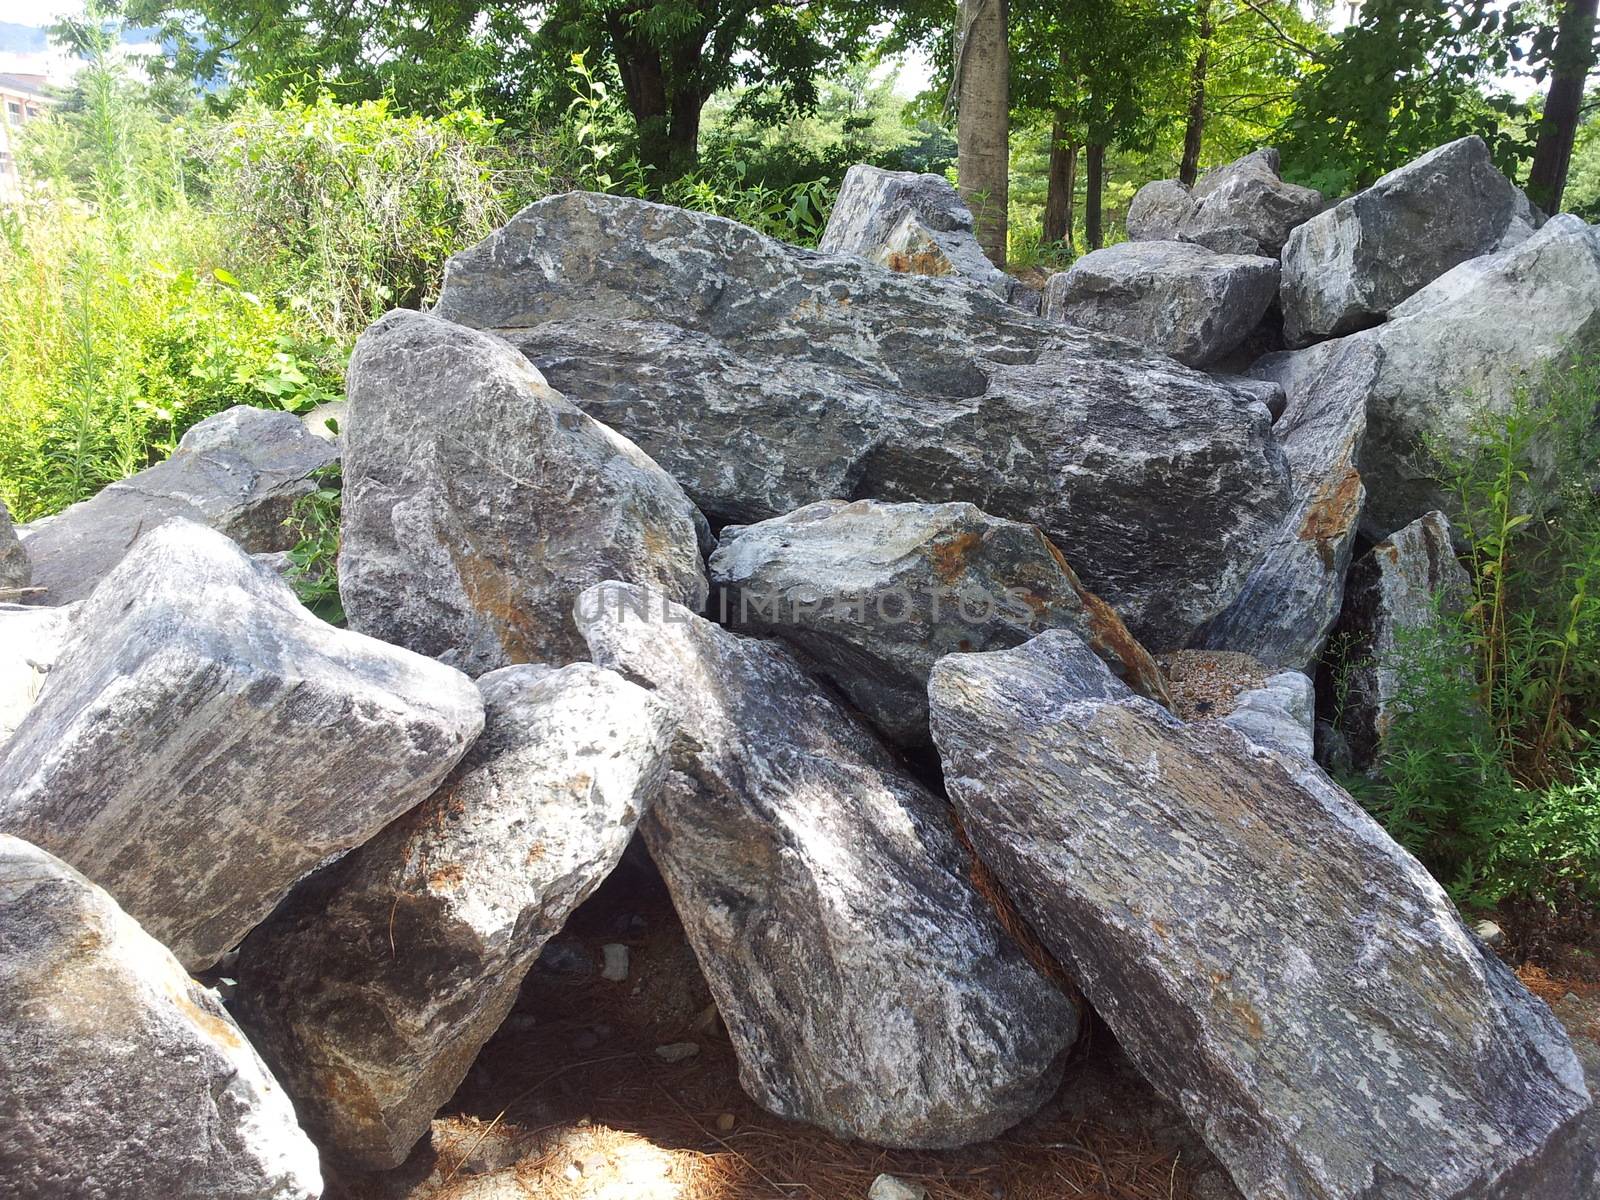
(31, 639)
(240, 472)
(910, 1018)
(16, 569)
(914, 224)
(873, 594)
(478, 502)
(1345, 268)
(204, 741)
(1291, 598)
(765, 378)
(1267, 956)
(1181, 299)
(1241, 208)
(1402, 584)
(1469, 341)
(124, 1079)
(1280, 714)
(374, 985)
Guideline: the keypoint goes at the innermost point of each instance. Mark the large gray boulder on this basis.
(239, 472)
(1241, 208)
(1468, 343)
(374, 985)
(764, 378)
(867, 986)
(1291, 598)
(478, 502)
(1175, 297)
(1397, 594)
(16, 569)
(873, 594)
(31, 640)
(914, 224)
(1267, 956)
(124, 1079)
(204, 741)
(1347, 267)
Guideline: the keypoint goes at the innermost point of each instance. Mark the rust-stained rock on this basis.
(1267, 956)
(123, 1079)
(478, 502)
(867, 986)
(766, 378)
(1292, 596)
(374, 985)
(873, 594)
(203, 741)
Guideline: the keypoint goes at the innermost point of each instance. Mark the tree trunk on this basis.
(1096, 165)
(1570, 63)
(668, 123)
(1194, 131)
(982, 71)
(1062, 182)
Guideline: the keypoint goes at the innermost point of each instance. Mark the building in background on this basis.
(22, 99)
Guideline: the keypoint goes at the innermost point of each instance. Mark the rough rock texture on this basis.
(124, 1079)
(1469, 340)
(204, 741)
(16, 569)
(1291, 598)
(1347, 267)
(765, 378)
(1280, 714)
(478, 502)
(1181, 299)
(915, 224)
(1401, 584)
(31, 639)
(873, 594)
(240, 472)
(867, 986)
(375, 984)
(1241, 208)
(1263, 951)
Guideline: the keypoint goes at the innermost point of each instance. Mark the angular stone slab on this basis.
(1241, 208)
(239, 472)
(374, 985)
(873, 594)
(124, 1079)
(204, 741)
(478, 502)
(914, 224)
(1268, 957)
(1398, 588)
(1178, 298)
(1291, 599)
(1280, 714)
(867, 986)
(16, 569)
(1345, 268)
(764, 378)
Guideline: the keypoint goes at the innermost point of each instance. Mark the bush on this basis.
(1491, 770)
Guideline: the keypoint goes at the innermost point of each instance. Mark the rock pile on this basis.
(850, 590)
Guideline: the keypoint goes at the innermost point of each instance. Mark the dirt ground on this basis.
(570, 1101)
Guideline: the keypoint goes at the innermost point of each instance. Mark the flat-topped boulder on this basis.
(764, 378)
(1175, 297)
(203, 741)
(239, 472)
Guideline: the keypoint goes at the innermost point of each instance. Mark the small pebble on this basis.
(616, 968)
(565, 957)
(1489, 932)
(726, 1122)
(887, 1187)
(677, 1052)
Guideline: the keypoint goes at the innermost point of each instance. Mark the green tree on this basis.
(1571, 56)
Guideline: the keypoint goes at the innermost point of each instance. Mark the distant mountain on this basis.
(22, 39)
